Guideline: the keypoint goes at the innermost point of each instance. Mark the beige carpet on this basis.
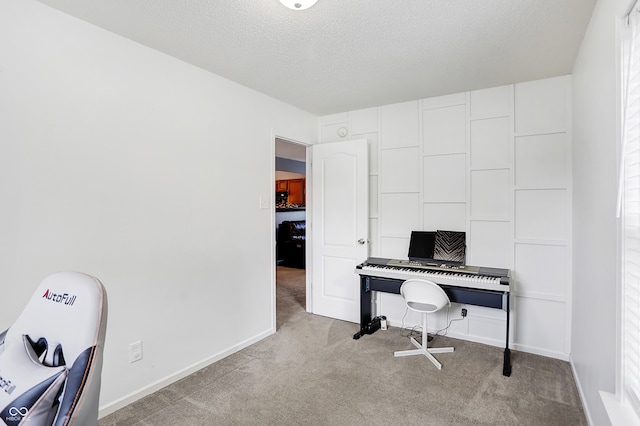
(312, 372)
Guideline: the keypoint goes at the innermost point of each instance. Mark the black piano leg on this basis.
(365, 307)
(506, 368)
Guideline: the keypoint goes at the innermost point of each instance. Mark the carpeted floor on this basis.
(312, 372)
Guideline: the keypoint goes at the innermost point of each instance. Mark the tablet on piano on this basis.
(421, 245)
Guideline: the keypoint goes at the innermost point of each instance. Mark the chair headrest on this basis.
(67, 309)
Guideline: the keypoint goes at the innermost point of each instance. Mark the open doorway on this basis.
(291, 229)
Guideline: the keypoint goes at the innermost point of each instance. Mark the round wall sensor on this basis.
(298, 4)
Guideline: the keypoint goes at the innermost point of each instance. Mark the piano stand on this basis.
(470, 296)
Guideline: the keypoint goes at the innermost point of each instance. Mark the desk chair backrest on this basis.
(423, 295)
(51, 357)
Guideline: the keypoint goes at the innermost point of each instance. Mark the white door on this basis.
(340, 226)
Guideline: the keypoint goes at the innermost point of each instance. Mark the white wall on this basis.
(115, 161)
(494, 163)
(595, 77)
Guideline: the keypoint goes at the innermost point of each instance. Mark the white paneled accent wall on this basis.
(542, 211)
(494, 163)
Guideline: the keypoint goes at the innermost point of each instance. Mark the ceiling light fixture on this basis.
(298, 4)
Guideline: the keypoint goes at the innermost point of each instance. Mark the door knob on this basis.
(362, 241)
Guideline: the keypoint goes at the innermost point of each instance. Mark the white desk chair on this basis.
(424, 297)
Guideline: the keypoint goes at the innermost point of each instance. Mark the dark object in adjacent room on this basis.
(291, 243)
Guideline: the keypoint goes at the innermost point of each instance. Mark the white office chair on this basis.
(424, 297)
(51, 357)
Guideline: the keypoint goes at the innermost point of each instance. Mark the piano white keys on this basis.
(439, 277)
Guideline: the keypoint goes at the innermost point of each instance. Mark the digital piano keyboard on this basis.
(473, 285)
(454, 275)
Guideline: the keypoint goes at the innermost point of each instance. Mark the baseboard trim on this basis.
(155, 386)
(539, 351)
(576, 379)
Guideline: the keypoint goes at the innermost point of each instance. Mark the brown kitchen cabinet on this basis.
(295, 188)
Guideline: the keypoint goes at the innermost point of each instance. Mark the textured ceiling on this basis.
(342, 55)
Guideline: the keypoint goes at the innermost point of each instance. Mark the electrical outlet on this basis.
(135, 351)
(464, 312)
